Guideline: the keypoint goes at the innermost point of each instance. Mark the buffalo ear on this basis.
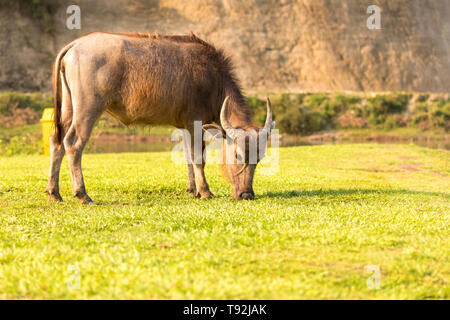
(220, 133)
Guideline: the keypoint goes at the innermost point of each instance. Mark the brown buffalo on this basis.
(149, 80)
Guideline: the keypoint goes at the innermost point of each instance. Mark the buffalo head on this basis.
(243, 148)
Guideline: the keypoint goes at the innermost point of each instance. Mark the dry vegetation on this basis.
(295, 114)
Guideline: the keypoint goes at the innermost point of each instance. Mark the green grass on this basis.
(329, 212)
(8, 133)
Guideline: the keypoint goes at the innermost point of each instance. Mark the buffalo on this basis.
(151, 80)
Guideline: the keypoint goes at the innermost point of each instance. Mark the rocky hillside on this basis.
(277, 45)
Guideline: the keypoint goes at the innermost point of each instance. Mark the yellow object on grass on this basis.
(48, 125)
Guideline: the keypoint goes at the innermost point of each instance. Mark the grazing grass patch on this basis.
(328, 213)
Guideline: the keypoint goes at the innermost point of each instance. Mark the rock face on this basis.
(277, 45)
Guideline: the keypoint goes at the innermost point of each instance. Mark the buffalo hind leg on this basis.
(57, 154)
(57, 150)
(74, 143)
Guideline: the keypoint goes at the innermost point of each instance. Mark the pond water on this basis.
(149, 143)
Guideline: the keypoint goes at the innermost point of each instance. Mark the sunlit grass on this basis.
(329, 212)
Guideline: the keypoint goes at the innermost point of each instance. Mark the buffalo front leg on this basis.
(56, 156)
(200, 182)
(191, 188)
(197, 164)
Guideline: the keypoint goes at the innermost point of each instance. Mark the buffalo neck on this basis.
(239, 113)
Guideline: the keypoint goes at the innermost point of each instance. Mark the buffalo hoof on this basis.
(248, 196)
(55, 197)
(206, 194)
(193, 193)
(85, 200)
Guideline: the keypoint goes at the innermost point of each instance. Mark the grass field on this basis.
(313, 228)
